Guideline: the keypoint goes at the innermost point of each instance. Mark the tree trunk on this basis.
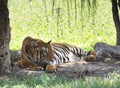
(116, 19)
(5, 62)
(119, 3)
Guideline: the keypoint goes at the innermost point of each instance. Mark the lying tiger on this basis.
(38, 55)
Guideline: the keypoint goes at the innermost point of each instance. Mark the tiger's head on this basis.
(30, 48)
(36, 50)
(45, 51)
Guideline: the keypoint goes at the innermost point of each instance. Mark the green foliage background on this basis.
(35, 18)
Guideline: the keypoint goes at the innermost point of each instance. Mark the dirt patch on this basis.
(72, 69)
(82, 68)
(76, 69)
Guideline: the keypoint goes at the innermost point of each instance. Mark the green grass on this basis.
(44, 81)
(30, 18)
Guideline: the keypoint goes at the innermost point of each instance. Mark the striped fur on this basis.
(61, 53)
(35, 52)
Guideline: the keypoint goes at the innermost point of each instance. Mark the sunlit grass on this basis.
(30, 18)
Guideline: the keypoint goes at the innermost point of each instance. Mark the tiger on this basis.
(40, 53)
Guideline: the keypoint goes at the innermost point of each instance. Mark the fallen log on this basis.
(104, 50)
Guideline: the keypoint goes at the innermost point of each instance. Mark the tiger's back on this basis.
(65, 53)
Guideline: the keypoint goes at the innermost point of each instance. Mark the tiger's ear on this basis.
(49, 42)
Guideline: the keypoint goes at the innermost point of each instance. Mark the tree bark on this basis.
(116, 19)
(119, 3)
(5, 62)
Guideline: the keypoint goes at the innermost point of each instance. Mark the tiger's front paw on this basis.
(51, 68)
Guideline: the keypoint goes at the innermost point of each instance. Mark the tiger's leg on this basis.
(90, 57)
(51, 68)
(36, 68)
(24, 63)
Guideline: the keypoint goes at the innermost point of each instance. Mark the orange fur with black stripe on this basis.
(35, 53)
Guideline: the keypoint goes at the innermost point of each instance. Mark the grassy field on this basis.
(44, 81)
(36, 18)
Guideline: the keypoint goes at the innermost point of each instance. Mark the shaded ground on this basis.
(71, 69)
(89, 68)
(79, 68)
